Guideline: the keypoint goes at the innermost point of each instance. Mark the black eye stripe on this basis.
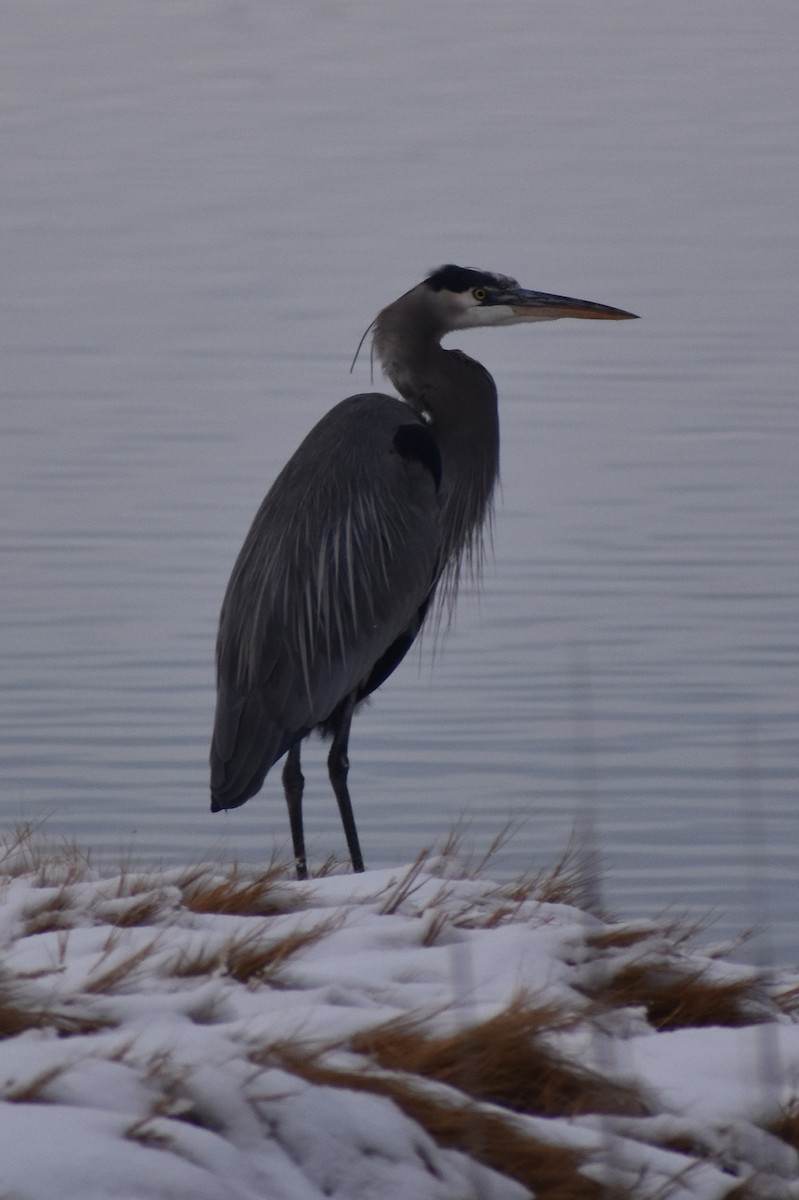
(458, 279)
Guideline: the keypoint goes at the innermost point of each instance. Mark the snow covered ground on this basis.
(418, 1034)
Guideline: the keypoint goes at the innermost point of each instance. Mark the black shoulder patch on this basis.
(416, 442)
(459, 279)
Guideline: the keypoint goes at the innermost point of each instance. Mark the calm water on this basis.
(203, 205)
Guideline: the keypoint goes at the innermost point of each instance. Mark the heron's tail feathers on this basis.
(245, 745)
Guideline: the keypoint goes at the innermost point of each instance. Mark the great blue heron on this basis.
(380, 506)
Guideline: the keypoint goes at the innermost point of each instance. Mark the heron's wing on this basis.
(342, 556)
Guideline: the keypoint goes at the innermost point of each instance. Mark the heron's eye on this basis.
(479, 294)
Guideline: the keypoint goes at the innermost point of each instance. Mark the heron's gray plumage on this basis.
(382, 504)
(329, 576)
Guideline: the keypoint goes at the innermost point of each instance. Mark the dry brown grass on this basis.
(753, 1189)
(19, 1014)
(16, 1018)
(328, 866)
(122, 971)
(463, 863)
(437, 923)
(492, 1075)
(401, 891)
(503, 1061)
(33, 1090)
(682, 999)
(171, 1098)
(237, 893)
(57, 911)
(497, 1141)
(619, 939)
(17, 855)
(145, 1133)
(25, 852)
(145, 910)
(474, 868)
(786, 1126)
(563, 883)
(52, 913)
(787, 1000)
(250, 956)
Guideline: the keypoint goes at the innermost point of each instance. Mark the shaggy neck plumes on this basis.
(456, 398)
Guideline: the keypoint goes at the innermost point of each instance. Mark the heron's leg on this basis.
(293, 784)
(338, 765)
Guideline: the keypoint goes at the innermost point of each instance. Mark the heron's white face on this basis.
(468, 310)
(489, 302)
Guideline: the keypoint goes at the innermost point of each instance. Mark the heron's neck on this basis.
(406, 341)
(457, 399)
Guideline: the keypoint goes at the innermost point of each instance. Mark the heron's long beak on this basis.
(541, 306)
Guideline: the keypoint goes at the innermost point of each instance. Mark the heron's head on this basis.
(460, 298)
(464, 299)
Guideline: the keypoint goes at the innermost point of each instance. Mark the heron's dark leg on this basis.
(293, 784)
(338, 765)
